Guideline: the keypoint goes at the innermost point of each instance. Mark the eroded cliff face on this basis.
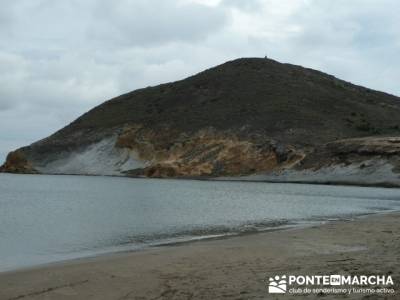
(207, 152)
(354, 151)
(136, 150)
(360, 161)
(16, 162)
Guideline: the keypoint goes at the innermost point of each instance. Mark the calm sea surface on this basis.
(52, 218)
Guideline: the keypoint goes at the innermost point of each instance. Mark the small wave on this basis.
(203, 232)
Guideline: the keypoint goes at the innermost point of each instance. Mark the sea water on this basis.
(46, 219)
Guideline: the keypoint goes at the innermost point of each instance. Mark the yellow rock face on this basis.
(17, 163)
(205, 153)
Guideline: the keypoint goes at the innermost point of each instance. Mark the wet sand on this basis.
(229, 268)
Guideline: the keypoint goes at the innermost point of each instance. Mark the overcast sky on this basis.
(58, 59)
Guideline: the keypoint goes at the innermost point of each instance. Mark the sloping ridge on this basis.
(243, 117)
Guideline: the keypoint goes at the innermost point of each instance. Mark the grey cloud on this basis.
(4, 19)
(7, 13)
(151, 23)
(248, 5)
(357, 23)
(5, 105)
(355, 40)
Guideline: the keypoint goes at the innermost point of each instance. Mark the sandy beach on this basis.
(230, 268)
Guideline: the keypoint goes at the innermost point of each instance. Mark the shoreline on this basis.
(386, 185)
(185, 240)
(233, 266)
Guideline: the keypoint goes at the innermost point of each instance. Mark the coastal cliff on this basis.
(249, 119)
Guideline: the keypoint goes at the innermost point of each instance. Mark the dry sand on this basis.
(230, 268)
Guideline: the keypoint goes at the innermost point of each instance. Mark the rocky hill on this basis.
(250, 118)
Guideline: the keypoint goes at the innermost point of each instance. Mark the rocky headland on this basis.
(247, 119)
